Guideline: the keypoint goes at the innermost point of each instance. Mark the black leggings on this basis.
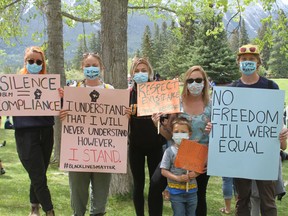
(34, 146)
(137, 163)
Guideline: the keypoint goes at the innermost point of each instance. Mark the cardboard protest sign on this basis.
(29, 95)
(244, 140)
(191, 156)
(155, 97)
(95, 131)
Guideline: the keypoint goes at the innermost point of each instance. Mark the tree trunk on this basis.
(114, 41)
(55, 57)
(114, 55)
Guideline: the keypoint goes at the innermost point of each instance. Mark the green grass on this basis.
(14, 185)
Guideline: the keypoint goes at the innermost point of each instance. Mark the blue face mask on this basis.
(140, 77)
(248, 67)
(33, 68)
(91, 73)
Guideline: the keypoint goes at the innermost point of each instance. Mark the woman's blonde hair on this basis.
(35, 49)
(136, 61)
(205, 91)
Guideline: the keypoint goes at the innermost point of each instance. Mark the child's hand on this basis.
(183, 178)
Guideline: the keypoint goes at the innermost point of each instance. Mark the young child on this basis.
(183, 203)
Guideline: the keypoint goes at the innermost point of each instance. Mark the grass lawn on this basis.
(14, 185)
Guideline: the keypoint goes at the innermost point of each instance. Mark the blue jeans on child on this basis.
(184, 204)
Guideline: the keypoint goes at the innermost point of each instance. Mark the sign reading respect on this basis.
(95, 131)
(244, 141)
(155, 97)
(29, 95)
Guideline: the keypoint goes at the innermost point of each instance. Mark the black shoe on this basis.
(2, 171)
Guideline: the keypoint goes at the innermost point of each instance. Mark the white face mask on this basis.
(195, 88)
(177, 137)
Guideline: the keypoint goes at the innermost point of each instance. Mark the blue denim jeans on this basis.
(228, 187)
(184, 204)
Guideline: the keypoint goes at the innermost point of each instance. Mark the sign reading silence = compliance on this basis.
(29, 95)
(155, 97)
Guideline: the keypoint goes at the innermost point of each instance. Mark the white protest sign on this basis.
(29, 95)
(244, 140)
(95, 131)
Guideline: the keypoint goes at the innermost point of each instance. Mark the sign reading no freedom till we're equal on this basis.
(244, 141)
(29, 95)
(156, 97)
(95, 131)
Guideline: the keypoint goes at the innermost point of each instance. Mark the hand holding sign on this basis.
(191, 156)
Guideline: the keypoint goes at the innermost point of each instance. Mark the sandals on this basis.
(223, 211)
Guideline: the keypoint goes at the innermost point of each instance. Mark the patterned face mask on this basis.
(91, 73)
(248, 67)
(195, 88)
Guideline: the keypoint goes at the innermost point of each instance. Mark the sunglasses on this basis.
(197, 80)
(251, 49)
(32, 61)
(92, 54)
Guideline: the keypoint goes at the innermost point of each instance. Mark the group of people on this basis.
(187, 190)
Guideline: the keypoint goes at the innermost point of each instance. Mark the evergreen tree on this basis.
(79, 55)
(244, 37)
(146, 46)
(95, 43)
(234, 42)
(265, 52)
(278, 62)
(213, 53)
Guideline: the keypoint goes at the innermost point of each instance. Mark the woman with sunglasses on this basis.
(248, 60)
(79, 182)
(34, 140)
(144, 143)
(197, 109)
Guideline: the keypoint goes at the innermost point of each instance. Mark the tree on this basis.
(278, 62)
(213, 53)
(266, 47)
(95, 42)
(55, 56)
(114, 54)
(234, 41)
(114, 41)
(147, 44)
(243, 37)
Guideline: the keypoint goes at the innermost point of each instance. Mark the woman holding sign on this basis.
(144, 142)
(79, 182)
(197, 109)
(34, 140)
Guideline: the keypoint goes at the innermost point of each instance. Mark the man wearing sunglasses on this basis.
(249, 61)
